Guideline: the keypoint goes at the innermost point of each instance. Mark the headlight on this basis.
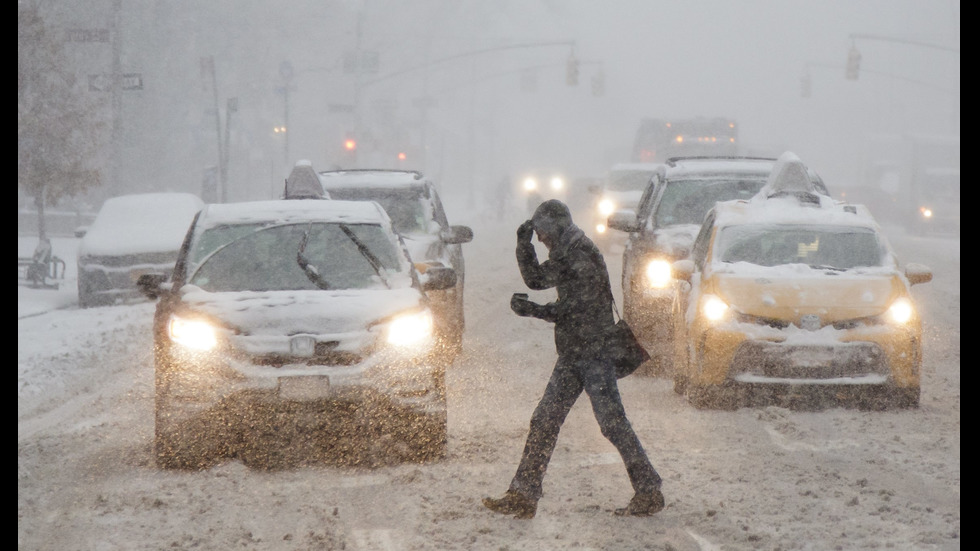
(606, 207)
(926, 212)
(900, 311)
(410, 329)
(713, 308)
(658, 273)
(192, 333)
(557, 183)
(600, 228)
(530, 184)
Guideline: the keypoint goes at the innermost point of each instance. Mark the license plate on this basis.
(304, 387)
(302, 346)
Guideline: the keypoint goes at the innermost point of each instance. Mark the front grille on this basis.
(788, 361)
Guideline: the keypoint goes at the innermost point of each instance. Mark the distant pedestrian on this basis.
(583, 316)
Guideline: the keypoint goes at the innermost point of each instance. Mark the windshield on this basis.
(836, 247)
(405, 207)
(252, 257)
(687, 201)
(629, 180)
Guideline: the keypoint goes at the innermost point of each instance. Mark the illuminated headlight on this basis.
(658, 273)
(713, 308)
(600, 228)
(557, 183)
(410, 329)
(193, 333)
(900, 311)
(926, 212)
(530, 184)
(606, 207)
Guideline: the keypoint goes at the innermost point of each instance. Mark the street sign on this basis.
(132, 81)
(366, 63)
(88, 35)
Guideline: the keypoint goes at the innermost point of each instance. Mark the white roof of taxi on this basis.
(289, 210)
(368, 178)
(777, 202)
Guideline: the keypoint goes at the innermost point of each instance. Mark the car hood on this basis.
(284, 313)
(783, 296)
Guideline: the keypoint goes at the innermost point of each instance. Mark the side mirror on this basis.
(80, 231)
(623, 220)
(437, 278)
(682, 269)
(457, 234)
(149, 285)
(917, 273)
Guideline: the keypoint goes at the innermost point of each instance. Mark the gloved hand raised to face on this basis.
(521, 305)
(525, 232)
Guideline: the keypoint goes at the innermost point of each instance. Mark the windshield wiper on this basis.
(826, 267)
(311, 271)
(366, 253)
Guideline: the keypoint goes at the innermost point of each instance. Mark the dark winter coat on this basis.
(583, 312)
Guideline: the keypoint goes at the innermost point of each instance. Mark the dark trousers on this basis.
(569, 378)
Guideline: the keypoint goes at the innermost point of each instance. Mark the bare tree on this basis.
(58, 126)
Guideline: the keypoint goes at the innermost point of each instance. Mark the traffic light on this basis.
(853, 62)
(571, 71)
(350, 145)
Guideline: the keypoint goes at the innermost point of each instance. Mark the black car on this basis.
(417, 212)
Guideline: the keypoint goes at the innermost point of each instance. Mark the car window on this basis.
(628, 180)
(687, 201)
(406, 208)
(835, 247)
(265, 258)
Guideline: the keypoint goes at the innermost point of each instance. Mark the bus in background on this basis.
(660, 139)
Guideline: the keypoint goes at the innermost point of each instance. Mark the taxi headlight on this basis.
(195, 334)
(606, 207)
(410, 329)
(713, 308)
(658, 273)
(926, 212)
(530, 184)
(900, 311)
(557, 183)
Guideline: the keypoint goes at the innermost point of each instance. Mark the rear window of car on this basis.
(687, 201)
(406, 208)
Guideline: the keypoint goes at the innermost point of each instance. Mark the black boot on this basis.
(643, 505)
(513, 503)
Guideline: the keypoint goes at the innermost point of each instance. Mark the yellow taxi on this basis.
(793, 298)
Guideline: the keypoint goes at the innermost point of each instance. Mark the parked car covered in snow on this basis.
(132, 235)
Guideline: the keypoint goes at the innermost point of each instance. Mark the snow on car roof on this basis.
(370, 178)
(284, 211)
(715, 166)
(141, 223)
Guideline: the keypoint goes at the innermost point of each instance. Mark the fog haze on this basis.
(493, 78)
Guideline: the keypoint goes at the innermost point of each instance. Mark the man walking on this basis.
(583, 317)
